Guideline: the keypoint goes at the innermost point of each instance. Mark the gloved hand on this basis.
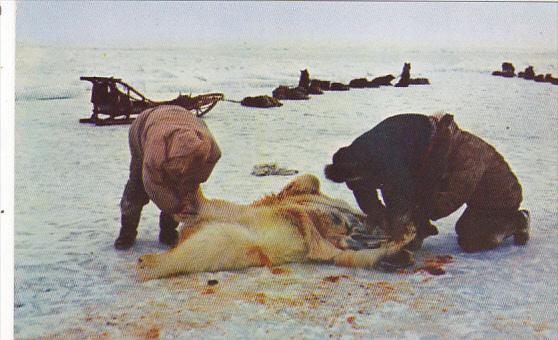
(189, 212)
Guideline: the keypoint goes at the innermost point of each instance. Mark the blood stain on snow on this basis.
(538, 327)
(275, 300)
(260, 298)
(280, 271)
(434, 265)
(385, 291)
(384, 285)
(314, 300)
(334, 278)
(152, 333)
(208, 291)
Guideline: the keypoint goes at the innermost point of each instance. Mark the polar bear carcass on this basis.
(299, 224)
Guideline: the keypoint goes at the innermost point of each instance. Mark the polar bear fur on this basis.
(299, 224)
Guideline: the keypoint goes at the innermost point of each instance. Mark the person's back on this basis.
(407, 135)
(388, 158)
(172, 152)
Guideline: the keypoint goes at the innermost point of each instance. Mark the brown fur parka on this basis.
(472, 173)
(175, 152)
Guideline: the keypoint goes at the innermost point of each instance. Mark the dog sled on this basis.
(115, 102)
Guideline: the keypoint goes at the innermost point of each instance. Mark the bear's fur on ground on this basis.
(299, 224)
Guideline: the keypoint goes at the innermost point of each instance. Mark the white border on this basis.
(7, 105)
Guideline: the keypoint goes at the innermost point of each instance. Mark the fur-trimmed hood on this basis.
(178, 153)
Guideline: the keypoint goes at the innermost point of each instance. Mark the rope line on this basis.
(231, 101)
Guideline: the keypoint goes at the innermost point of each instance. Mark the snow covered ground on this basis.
(71, 283)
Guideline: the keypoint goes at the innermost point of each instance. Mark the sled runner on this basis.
(115, 102)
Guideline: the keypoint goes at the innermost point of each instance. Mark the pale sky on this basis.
(484, 24)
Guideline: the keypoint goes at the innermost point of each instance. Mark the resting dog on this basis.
(299, 224)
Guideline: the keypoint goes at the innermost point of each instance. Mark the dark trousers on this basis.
(479, 230)
(135, 197)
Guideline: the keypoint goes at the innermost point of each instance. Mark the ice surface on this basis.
(71, 283)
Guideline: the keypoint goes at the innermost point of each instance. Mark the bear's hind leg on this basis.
(521, 236)
(212, 247)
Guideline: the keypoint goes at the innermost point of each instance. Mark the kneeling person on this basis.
(172, 152)
(426, 168)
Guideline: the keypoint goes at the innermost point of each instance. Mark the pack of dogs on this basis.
(508, 71)
(307, 86)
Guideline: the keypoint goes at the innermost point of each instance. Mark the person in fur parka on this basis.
(426, 168)
(172, 152)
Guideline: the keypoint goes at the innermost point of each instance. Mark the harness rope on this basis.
(231, 101)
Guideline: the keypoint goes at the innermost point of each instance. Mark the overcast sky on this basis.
(420, 24)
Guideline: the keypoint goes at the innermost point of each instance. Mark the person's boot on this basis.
(521, 236)
(128, 232)
(168, 234)
(516, 225)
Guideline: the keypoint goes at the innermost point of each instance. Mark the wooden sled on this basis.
(116, 103)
